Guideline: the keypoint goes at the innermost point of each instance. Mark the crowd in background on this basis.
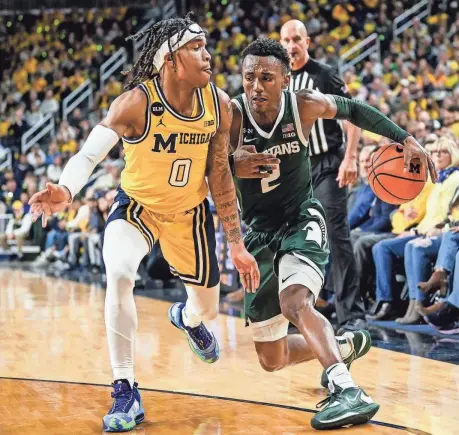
(415, 82)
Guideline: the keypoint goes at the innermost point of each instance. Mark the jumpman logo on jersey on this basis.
(160, 123)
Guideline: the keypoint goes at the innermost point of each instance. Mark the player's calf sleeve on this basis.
(121, 325)
(124, 248)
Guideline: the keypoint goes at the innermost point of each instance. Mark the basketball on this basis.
(388, 180)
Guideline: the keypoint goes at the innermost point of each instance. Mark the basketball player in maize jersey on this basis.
(287, 228)
(175, 131)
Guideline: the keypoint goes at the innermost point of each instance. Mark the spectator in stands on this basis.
(17, 128)
(36, 156)
(448, 246)
(11, 193)
(369, 221)
(56, 246)
(93, 240)
(423, 252)
(53, 152)
(108, 180)
(66, 138)
(83, 131)
(30, 99)
(49, 104)
(114, 88)
(78, 227)
(30, 184)
(75, 118)
(24, 198)
(54, 171)
(40, 166)
(446, 313)
(18, 229)
(64, 89)
(21, 168)
(234, 81)
(451, 119)
(364, 196)
(34, 115)
(446, 158)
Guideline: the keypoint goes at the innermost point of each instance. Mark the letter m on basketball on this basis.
(168, 144)
(415, 168)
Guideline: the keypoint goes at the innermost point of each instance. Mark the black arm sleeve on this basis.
(364, 116)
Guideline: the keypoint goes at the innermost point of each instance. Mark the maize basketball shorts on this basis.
(187, 239)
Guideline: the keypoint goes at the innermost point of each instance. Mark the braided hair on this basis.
(162, 31)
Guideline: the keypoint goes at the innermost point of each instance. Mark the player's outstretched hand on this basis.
(247, 163)
(51, 200)
(413, 150)
(247, 267)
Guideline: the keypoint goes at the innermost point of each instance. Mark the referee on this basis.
(333, 167)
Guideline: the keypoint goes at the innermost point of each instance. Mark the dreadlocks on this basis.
(143, 69)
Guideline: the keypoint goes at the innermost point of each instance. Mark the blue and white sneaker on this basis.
(201, 341)
(127, 410)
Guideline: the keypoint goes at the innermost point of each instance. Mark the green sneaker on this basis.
(347, 407)
(360, 342)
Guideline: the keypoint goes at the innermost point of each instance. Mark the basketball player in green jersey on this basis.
(287, 231)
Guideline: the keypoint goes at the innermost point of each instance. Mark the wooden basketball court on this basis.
(55, 374)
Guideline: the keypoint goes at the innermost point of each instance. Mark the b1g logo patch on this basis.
(157, 109)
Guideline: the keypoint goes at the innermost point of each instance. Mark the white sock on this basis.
(345, 345)
(338, 374)
(189, 318)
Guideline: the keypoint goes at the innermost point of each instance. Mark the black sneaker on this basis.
(445, 319)
(348, 407)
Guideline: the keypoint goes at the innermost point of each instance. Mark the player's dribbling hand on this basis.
(247, 163)
(247, 267)
(51, 200)
(413, 150)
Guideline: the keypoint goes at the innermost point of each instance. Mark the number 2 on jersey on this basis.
(266, 185)
(180, 173)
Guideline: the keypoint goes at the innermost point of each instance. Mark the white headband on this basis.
(192, 32)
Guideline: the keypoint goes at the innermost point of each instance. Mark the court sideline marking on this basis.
(230, 399)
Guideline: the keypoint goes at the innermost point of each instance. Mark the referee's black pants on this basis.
(344, 280)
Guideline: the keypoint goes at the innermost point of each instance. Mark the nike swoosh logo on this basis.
(250, 140)
(364, 342)
(283, 280)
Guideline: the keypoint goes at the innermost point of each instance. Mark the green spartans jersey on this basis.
(270, 202)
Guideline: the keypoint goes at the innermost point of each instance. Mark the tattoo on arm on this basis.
(221, 182)
(234, 235)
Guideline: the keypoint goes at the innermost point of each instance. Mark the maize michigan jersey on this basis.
(165, 167)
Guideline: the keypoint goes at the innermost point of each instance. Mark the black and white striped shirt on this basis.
(326, 134)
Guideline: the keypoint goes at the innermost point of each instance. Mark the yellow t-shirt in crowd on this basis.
(371, 3)
(39, 84)
(437, 207)
(399, 222)
(114, 88)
